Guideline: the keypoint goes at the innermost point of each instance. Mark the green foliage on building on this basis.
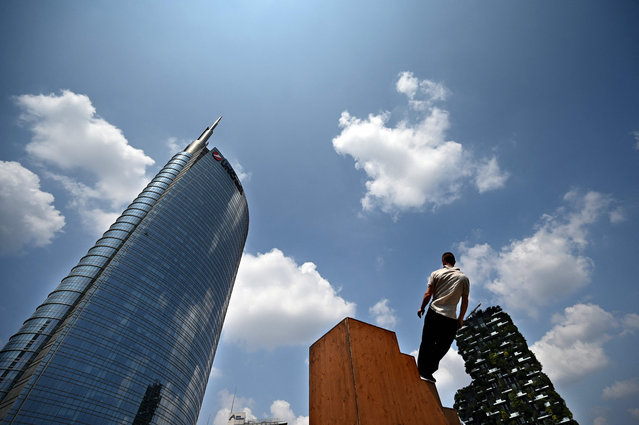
(508, 385)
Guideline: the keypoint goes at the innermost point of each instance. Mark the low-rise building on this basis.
(239, 418)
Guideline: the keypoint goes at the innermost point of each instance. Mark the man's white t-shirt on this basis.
(449, 284)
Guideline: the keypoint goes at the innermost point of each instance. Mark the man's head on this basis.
(448, 258)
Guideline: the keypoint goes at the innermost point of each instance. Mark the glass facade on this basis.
(130, 334)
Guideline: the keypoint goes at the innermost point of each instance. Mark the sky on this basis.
(370, 137)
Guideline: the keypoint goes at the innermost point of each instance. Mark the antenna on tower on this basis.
(201, 141)
(233, 402)
(474, 309)
(231, 414)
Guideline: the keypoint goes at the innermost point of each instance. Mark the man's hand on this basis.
(425, 300)
(462, 311)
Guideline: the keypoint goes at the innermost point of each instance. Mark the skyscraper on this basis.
(508, 384)
(130, 334)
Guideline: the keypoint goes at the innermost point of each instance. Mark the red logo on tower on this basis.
(217, 156)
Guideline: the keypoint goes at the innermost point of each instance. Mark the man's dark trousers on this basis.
(437, 337)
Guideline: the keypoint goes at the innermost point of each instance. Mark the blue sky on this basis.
(370, 137)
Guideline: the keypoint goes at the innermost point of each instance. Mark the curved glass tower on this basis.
(129, 336)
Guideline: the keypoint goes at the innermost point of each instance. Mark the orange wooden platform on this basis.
(358, 376)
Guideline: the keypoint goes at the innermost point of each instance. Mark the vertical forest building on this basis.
(508, 385)
(129, 335)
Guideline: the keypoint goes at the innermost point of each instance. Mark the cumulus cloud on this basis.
(550, 261)
(426, 91)
(281, 409)
(621, 389)
(631, 322)
(478, 261)
(243, 175)
(635, 134)
(489, 176)
(451, 375)
(407, 84)
(574, 347)
(239, 405)
(175, 145)
(277, 302)
(215, 373)
(70, 140)
(383, 314)
(27, 214)
(412, 165)
(617, 216)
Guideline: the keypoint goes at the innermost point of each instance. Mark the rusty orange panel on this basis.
(332, 389)
(358, 376)
(451, 416)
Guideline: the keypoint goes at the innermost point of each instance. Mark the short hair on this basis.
(448, 258)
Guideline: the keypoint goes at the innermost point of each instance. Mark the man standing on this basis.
(446, 286)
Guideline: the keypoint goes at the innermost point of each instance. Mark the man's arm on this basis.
(462, 310)
(425, 300)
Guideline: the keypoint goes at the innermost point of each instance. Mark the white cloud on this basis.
(175, 145)
(27, 214)
(215, 373)
(412, 165)
(239, 405)
(95, 219)
(523, 273)
(600, 420)
(451, 375)
(281, 409)
(478, 261)
(489, 176)
(617, 216)
(631, 322)
(635, 134)
(98, 220)
(384, 314)
(276, 302)
(71, 139)
(433, 91)
(573, 348)
(407, 84)
(379, 263)
(634, 413)
(621, 389)
(411, 86)
(244, 176)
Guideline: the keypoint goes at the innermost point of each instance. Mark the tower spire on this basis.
(200, 142)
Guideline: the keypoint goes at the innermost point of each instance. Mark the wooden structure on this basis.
(358, 376)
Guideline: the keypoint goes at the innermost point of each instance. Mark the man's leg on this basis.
(426, 359)
(445, 338)
(437, 337)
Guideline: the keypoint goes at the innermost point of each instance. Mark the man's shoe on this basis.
(429, 378)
